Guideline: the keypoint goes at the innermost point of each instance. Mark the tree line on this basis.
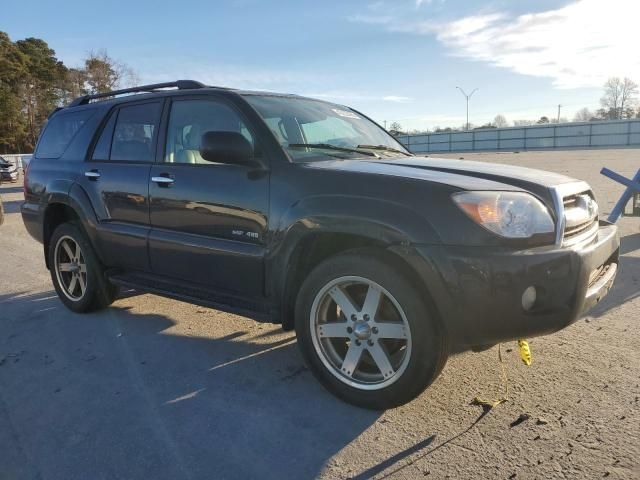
(618, 102)
(33, 82)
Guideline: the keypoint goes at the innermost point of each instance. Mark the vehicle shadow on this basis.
(627, 284)
(118, 394)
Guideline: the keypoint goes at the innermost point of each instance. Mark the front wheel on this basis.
(76, 272)
(366, 332)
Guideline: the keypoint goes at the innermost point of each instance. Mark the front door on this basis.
(208, 220)
(116, 179)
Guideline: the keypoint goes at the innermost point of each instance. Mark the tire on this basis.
(413, 344)
(65, 263)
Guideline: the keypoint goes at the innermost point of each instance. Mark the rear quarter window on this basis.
(135, 132)
(60, 131)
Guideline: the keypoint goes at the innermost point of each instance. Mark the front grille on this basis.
(580, 217)
(579, 229)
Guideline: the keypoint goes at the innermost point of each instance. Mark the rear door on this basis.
(209, 220)
(116, 178)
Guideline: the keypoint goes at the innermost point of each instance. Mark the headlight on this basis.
(509, 214)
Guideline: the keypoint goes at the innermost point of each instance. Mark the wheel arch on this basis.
(61, 208)
(317, 227)
(315, 248)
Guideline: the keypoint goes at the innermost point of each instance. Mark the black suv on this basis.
(306, 213)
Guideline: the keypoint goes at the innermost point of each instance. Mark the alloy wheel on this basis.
(71, 268)
(360, 333)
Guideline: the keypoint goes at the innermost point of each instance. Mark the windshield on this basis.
(311, 129)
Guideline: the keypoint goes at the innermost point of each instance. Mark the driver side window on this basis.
(189, 120)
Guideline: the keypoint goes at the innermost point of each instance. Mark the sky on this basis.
(395, 60)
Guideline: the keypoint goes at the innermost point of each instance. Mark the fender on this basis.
(375, 220)
(370, 217)
(85, 209)
(69, 193)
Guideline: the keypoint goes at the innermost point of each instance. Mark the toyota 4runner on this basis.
(308, 214)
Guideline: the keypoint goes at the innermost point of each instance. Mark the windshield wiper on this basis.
(385, 148)
(333, 147)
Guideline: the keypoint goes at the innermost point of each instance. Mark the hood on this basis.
(511, 174)
(463, 174)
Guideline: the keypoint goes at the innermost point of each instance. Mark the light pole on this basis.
(467, 97)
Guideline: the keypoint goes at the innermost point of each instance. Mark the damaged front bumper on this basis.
(478, 291)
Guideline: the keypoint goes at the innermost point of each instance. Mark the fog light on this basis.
(529, 298)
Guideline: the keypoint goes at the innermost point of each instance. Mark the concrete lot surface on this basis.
(157, 389)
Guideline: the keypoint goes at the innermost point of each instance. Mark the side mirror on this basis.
(227, 147)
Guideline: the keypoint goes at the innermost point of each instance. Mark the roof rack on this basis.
(179, 84)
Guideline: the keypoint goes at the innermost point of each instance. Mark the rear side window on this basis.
(134, 134)
(59, 133)
(103, 147)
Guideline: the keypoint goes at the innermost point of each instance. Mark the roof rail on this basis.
(179, 84)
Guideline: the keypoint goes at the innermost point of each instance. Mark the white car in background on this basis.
(8, 171)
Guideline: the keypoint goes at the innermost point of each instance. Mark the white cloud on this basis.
(357, 97)
(579, 45)
(396, 99)
(372, 19)
(419, 3)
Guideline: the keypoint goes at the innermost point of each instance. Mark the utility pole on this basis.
(559, 113)
(467, 97)
(385, 124)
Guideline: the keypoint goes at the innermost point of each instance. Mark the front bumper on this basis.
(478, 291)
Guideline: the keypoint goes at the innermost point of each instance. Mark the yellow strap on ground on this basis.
(505, 382)
(525, 352)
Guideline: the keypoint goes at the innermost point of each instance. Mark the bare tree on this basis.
(104, 74)
(500, 121)
(628, 98)
(583, 115)
(128, 76)
(395, 127)
(619, 98)
(100, 71)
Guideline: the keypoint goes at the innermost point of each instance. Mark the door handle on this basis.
(162, 181)
(92, 174)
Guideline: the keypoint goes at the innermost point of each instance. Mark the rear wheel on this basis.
(366, 333)
(77, 275)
